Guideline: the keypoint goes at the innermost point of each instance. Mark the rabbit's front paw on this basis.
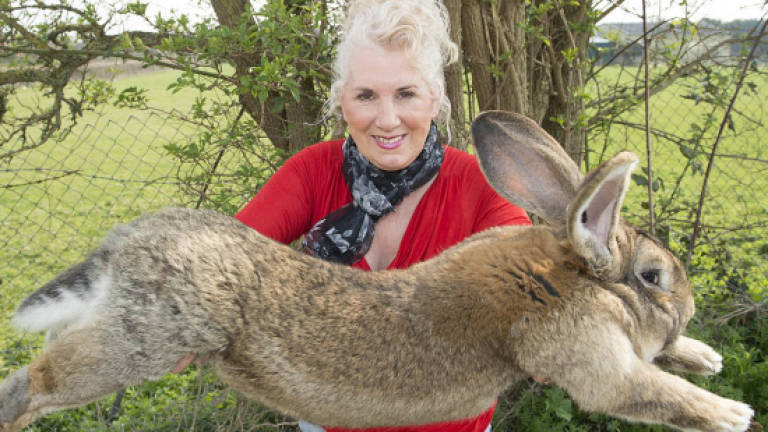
(691, 355)
(708, 357)
(732, 416)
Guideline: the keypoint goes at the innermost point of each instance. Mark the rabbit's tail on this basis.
(69, 298)
(73, 295)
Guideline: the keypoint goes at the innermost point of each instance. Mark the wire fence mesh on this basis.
(58, 199)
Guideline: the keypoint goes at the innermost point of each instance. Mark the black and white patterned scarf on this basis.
(345, 235)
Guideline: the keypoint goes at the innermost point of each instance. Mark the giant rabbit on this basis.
(589, 301)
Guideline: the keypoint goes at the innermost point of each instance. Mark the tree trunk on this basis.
(293, 127)
(528, 60)
(564, 115)
(454, 82)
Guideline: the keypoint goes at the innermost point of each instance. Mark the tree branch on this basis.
(646, 111)
(611, 8)
(31, 37)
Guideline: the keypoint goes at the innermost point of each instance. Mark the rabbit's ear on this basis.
(525, 164)
(593, 215)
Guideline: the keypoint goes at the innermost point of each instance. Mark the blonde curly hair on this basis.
(419, 27)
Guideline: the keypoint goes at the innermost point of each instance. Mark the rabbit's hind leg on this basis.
(14, 400)
(81, 366)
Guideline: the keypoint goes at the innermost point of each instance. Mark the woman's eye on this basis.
(651, 276)
(364, 96)
(406, 94)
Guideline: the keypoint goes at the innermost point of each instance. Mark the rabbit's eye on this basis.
(651, 276)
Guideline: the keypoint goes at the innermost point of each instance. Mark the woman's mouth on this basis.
(390, 142)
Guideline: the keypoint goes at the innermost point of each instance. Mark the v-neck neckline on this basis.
(408, 233)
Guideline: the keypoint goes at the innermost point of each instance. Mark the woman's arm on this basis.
(497, 211)
(491, 209)
(305, 189)
(282, 208)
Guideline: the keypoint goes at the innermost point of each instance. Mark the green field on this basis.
(124, 170)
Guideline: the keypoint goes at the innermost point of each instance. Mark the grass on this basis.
(49, 226)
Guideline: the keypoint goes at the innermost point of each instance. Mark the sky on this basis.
(630, 11)
(723, 10)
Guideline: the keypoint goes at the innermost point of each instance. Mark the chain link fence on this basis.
(57, 200)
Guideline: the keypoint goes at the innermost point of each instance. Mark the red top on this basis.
(458, 203)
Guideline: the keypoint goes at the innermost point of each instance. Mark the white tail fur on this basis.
(64, 309)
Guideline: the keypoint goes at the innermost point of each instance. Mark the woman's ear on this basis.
(343, 113)
(435, 107)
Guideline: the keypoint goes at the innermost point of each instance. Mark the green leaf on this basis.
(688, 152)
(132, 97)
(640, 179)
(295, 94)
(697, 166)
(277, 105)
(558, 403)
(139, 44)
(137, 8)
(125, 42)
(262, 94)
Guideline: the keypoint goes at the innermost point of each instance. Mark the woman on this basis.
(390, 195)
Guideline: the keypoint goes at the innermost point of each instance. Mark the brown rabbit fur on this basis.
(589, 302)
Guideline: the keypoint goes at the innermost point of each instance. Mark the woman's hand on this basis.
(183, 363)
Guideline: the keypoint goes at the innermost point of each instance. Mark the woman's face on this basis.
(388, 106)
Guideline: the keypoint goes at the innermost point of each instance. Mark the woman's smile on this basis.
(390, 142)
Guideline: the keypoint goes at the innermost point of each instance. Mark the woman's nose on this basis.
(388, 116)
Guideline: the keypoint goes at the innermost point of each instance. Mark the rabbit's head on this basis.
(529, 168)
